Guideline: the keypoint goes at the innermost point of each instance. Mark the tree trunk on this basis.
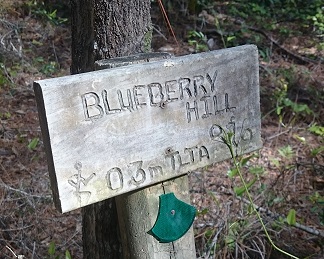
(122, 28)
(106, 29)
(82, 28)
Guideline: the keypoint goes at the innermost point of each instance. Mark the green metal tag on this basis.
(174, 219)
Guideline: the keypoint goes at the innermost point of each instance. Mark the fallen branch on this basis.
(210, 19)
(24, 193)
(214, 241)
(276, 43)
(276, 216)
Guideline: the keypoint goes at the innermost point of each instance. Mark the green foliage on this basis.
(38, 8)
(316, 198)
(197, 40)
(202, 212)
(286, 152)
(7, 73)
(205, 3)
(67, 255)
(5, 115)
(316, 129)
(284, 161)
(297, 108)
(272, 15)
(317, 151)
(265, 54)
(291, 217)
(227, 138)
(242, 189)
(50, 16)
(310, 14)
(53, 254)
(49, 68)
(46, 67)
(318, 20)
(244, 162)
(230, 238)
(195, 6)
(33, 143)
(285, 107)
(3, 77)
(258, 9)
(51, 249)
(318, 207)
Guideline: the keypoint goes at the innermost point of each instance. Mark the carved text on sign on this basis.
(113, 131)
(199, 92)
(140, 172)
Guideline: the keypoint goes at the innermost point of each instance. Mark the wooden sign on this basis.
(112, 131)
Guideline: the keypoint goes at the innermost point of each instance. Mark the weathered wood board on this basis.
(112, 131)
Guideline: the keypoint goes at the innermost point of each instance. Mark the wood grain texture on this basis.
(142, 208)
(118, 130)
(138, 58)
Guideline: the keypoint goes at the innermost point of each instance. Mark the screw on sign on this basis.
(174, 219)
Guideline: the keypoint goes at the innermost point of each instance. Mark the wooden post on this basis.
(137, 213)
(137, 210)
(87, 28)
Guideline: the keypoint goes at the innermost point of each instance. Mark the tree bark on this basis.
(82, 28)
(122, 28)
(106, 29)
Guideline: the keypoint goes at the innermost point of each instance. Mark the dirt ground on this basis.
(35, 49)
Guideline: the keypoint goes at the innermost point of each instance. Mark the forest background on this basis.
(286, 176)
